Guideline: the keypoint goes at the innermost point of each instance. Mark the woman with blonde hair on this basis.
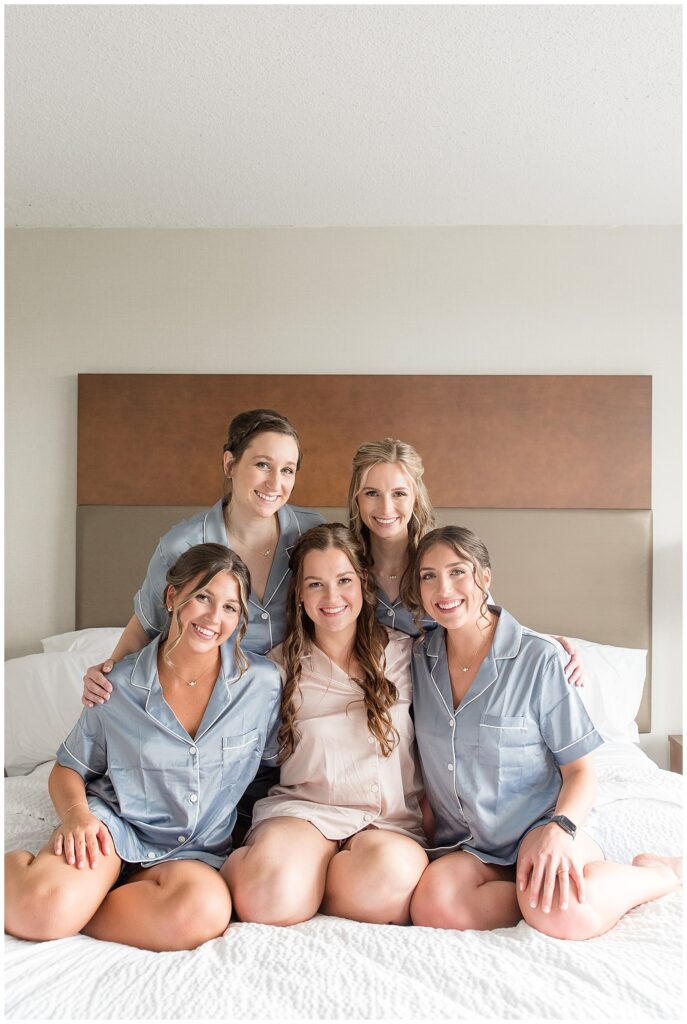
(390, 512)
(342, 832)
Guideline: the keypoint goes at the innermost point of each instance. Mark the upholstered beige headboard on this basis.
(567, 459)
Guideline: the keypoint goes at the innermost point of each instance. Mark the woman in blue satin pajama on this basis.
(504, 746)
(146, 785)
(261, 458)
(389, 511)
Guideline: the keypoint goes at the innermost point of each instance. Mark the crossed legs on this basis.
(173, 905)
(459, 891)
(611, 890)
(288, 871)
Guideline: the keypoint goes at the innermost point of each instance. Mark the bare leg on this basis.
(611, 890)
(46, 898)
(178, 904)
(373, 878)
(459, 891)
(278, 877)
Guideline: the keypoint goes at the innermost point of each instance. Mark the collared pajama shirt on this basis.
(266, 617)
(397, 615)
(491, 766)
(163, 794)
(337, 777)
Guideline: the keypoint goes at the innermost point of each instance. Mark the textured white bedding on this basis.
(332, 969)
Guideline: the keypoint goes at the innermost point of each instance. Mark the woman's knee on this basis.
(388, 868)
(196, 913)
(580, 921)
(265, 892)
(436, 904)
(40, 911)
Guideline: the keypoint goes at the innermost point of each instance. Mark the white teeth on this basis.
(204, 632)
(446, 606)
(267, 497)
(386, 522)
(333, 611)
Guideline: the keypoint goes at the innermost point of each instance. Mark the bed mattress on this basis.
(330, 969)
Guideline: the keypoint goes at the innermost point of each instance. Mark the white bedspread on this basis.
(333, 969)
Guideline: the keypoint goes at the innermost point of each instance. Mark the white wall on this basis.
(454, 300)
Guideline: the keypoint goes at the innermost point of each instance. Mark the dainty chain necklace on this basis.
(466, 668)
(190, 682)
(265, 552)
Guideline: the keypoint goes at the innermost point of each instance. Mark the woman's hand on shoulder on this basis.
(574, 670)
(96, 686)
(81, 837)
(551, 856)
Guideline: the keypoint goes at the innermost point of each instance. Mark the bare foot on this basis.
(672, 865)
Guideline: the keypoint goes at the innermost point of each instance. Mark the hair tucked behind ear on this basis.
(206, 561)
(378, 692)
(466, 544)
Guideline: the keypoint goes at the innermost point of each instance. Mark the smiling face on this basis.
(209, 617)
(331, 591)
(263, 477)
(449, 587)
(386, 500)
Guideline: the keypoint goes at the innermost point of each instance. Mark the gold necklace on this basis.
(466, 668)
(257, 551)
(189, 682)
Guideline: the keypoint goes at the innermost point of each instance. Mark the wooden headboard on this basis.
(553, 472)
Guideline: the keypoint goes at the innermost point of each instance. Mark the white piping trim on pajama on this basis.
(86, 766)
(574, 743)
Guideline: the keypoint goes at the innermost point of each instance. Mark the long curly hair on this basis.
(389, 451)
(467, 545)
(206, 561)
(378, 692)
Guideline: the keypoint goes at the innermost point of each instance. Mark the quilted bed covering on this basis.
(331, 969)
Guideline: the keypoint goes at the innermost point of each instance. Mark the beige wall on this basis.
(454, 300)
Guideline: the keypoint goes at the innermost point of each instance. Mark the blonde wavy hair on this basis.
(206, 561)
(378, 692)
(467, 545)
(389, 451)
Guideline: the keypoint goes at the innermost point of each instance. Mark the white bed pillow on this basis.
(100, 640)
(42, 703)
(612, 693)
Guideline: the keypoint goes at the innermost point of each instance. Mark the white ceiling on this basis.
(242, 116)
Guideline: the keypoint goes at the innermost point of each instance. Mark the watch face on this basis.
(567, 824)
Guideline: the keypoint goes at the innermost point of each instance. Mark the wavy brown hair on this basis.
(378, 692)
(467, 545)
(206, 561)
(390, 451)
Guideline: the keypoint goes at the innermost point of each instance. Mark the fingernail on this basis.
(564, 906)
(546, 909)
(533, 905)
(522, 887)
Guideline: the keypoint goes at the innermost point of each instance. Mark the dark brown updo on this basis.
(247, 425)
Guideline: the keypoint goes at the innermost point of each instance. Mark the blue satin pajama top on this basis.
(491, 765)
(163, 794)
(266, 618)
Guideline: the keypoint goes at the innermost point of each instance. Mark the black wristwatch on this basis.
(565, 823)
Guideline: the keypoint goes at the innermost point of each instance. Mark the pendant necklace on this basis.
(466, 668)
(265, 552)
